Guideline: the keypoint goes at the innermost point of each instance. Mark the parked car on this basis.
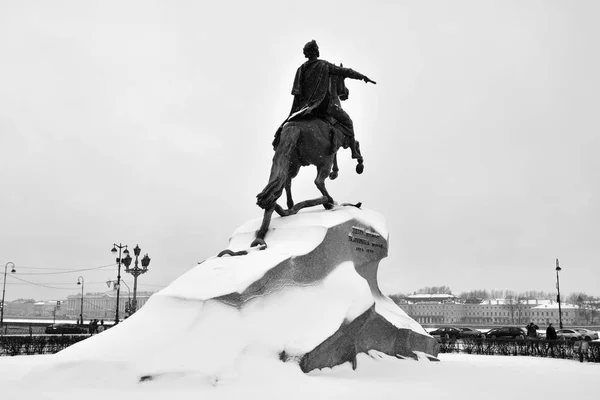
(569, 334)
(506, 332)
(587, 334)
(64, 329)
(447, 332)
(541, 335)
(470, 333)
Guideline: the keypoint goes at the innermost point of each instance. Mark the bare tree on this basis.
(435, 290)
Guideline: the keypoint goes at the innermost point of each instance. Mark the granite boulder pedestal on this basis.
(311, 295)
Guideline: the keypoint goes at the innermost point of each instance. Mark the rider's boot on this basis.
(355, 148)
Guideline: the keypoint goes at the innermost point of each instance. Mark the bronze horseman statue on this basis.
(311, 135)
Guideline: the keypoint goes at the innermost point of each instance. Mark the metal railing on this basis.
(565, 349)
(16, 345)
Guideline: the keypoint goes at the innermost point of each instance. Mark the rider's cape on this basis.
(311, 86)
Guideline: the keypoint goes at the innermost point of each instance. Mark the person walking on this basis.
(583, 350)
(531, 336)
(101, 328)
(551, 332)
(551, 335)
(93, 326)
(532, 330)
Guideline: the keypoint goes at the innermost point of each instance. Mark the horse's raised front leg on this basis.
(322, 174)
(335, 170)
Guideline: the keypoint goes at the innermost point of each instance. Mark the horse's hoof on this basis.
(228, 252)
(225, 252)
(328, 206)
(259, 242)
(333, 175)
(360, 168)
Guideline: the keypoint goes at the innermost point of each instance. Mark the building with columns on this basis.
(103, 305)
(446, 309)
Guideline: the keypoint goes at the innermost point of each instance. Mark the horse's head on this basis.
(338, 87)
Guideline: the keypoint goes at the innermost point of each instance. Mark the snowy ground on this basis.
(488, 377)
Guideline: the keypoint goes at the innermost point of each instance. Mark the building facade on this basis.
(446, 309)
(103, 305)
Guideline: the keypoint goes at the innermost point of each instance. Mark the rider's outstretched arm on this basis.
(348, 73)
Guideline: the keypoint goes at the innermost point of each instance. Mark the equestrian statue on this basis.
(311, 135)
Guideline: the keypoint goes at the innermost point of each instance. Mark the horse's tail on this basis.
(268, 197)
(280, 168)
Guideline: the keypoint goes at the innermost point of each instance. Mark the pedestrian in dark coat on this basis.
(551, 332)
(532, 330)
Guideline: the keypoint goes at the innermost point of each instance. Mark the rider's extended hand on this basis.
(367, 80)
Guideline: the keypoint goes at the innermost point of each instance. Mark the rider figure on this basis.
(311, 92)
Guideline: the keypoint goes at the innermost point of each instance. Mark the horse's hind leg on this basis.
(264, 227)
(322, 174)
(288, 194)
(293, 172)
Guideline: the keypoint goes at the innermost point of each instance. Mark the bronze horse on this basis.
(304, 141)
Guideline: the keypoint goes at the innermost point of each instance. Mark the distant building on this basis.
(447, 309)
(431, 308)
(49, 309)
(546, 313)
(103, 305)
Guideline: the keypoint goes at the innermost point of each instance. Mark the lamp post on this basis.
(80, 281)
(558, 268)
(137, 271)
(12, 271)
(114, 250)
(114, 283)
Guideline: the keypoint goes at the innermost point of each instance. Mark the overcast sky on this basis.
(151, 122)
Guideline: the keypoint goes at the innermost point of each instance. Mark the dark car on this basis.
(64, 329)
(448, 332)
(470, 333)
(506, 332)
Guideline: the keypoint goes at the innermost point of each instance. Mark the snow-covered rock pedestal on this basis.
(311, 296)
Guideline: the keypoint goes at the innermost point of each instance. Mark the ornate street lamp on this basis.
(114, 284)
(137, 271)
(119, 260)
(80, 281)
(4, 290)
(558, 268)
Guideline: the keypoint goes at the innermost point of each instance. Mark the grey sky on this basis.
(151, 122)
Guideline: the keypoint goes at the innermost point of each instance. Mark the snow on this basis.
(257, 377)
(309, 218)
(386, 307)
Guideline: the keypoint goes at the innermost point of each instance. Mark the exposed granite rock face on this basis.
(350, 241)
(362, 245)
(370, 331)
